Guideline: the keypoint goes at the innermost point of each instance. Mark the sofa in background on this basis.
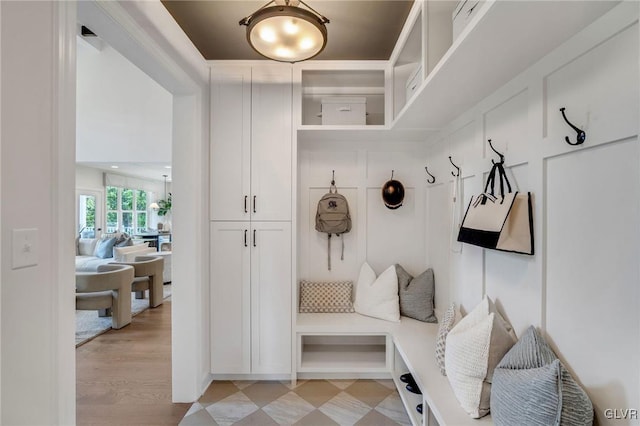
(93, 252)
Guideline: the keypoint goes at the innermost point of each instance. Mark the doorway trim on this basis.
(147, 35)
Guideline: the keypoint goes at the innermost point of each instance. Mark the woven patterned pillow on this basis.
(326, 297)
(446, 324)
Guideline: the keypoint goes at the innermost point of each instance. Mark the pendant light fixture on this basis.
(286, 32)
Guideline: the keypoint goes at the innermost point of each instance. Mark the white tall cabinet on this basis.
(250, 212)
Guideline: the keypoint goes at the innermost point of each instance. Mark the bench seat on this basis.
(415, 342)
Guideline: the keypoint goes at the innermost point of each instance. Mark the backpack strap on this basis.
(342, 238)
(329, 252)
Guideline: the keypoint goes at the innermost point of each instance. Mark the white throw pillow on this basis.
(87, 246)
(474, 347)
(378, 298)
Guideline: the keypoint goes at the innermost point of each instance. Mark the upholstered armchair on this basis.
(107, 290)
(148, 276)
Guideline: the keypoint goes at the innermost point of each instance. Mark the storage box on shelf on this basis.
(344, 110)
(339, 97)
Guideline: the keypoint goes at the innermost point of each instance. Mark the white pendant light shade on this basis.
(286, 33)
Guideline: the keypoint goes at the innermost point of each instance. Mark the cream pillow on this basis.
(473, 349)
(378, 298)
(86, 246)
(128, 253)
(449, 320)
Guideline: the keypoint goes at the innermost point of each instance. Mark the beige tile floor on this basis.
(310, 402)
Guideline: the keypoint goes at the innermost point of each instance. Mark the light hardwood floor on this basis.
(124, 376)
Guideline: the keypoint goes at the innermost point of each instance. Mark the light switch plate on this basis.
(25, 248)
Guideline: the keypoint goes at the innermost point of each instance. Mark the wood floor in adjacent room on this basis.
(124, 376)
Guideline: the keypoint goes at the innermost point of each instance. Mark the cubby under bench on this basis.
(357, 346)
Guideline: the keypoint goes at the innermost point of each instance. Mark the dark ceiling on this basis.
(359, 29)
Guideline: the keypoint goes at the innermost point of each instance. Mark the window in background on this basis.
(126, 210)
(87, 216)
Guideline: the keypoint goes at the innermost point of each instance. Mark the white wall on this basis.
(38, 359)
(581, 288)
(380, 236)
(89, 178)
(122, 114)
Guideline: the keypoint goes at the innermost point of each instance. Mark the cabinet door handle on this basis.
(245, 238)
(254, 204)
(245, 204)
(254, 238)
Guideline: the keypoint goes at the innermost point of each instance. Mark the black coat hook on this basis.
(333, 177)
(431, 178)
(494, 150)
(581, 134)
(457, 169)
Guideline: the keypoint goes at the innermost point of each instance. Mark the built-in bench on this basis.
(360, 345)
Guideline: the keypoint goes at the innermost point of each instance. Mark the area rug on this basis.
(90, 325)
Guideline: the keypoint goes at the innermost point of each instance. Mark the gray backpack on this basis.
(332, 217)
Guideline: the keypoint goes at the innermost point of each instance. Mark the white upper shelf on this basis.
(503, 40)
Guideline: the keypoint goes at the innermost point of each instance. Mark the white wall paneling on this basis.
(581, 286)
(391, 234)
(379, 235)
(438, 240)
(592, 278)
(599, 89)
(504, 125)
(463, 146)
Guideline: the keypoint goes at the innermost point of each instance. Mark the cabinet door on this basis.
(230, 298)
(230, 143)
(271, 131)
(271, 298)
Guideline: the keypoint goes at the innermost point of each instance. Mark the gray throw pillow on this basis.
(529, 396)
(416, 295)
(125, 242)
(523, 375)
